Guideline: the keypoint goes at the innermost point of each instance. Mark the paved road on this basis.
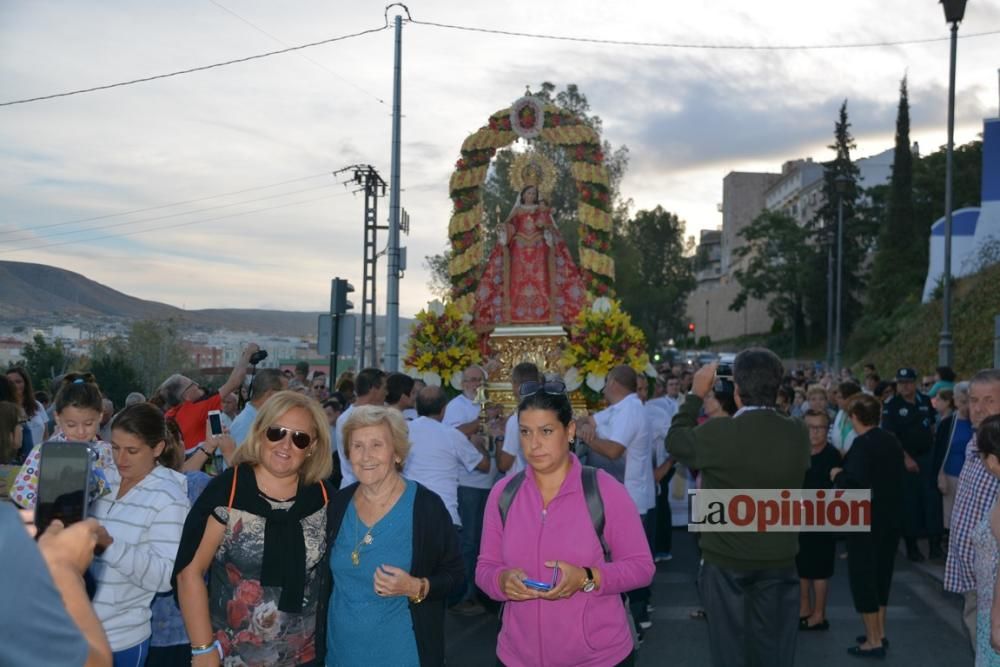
(924, 623)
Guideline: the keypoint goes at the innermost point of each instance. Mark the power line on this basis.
(174, 226)
(169, 215)
(304, 57)
(162, 206)
(688, 45)
(196, 69)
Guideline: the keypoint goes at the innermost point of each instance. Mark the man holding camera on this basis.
(748, 582)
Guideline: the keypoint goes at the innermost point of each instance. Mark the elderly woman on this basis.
(951, 438)
(393, 555)
(875, 461)
(259, 530)
(543, 554)
(188, 403)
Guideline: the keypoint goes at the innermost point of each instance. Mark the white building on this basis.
(970, 227)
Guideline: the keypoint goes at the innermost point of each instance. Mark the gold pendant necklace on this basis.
(366, 540)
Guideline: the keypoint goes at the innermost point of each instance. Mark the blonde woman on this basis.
(259, 530)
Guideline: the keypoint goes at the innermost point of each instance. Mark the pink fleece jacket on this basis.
(585, 629)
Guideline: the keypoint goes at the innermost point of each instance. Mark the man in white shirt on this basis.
(473, 487)
(369, 388)
(665, 402)
(841, 430)
(510, 457)
(622, 432)
(439, 453)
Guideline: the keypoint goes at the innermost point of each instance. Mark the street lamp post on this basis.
(954, 11)
(841, 181)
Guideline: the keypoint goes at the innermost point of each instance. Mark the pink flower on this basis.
(237, 614)
(249, 592)
(234, 574)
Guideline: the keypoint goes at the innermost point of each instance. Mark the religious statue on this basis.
(530, 276)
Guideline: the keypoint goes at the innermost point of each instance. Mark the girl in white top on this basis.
(141, 522)
(38, 420)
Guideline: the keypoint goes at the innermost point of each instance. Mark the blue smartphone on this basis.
(541, 585)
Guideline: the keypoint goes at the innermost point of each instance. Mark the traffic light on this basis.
(339, 289)
(691, 328)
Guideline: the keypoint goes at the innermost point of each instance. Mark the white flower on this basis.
(456, 381)
(650, 371)
(572, 379)
(432, 379)
(436, 307)
(602, 304)
(595, 381)
(264, 621)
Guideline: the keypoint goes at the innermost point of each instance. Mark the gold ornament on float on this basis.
(533, 168)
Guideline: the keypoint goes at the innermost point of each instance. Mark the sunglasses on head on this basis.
(299, 438)
(531, 388)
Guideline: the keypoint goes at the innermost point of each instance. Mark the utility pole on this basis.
(392, 295)
(371, 184)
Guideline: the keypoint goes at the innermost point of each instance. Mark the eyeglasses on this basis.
(531, 388)
(278, 433)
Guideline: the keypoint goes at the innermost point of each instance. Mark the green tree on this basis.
(156, 352)
(858, 235)
(778, 256)
(655, 289)
(110, 362)
(45, 361)
(498, 194)
(898, 272)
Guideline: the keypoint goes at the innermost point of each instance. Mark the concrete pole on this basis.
(945, 349)
(840, 281)
(392, 290)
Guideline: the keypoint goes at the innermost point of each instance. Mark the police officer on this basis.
(910, 417)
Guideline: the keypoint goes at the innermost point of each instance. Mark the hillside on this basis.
(47, 294)
(976, 302)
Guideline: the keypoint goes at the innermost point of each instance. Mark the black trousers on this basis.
(664, 521)
(923, 515)
(753, 615)
(871, 558)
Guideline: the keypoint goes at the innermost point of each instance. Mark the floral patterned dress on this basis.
(985, 564)
(24, 488)
(245, 615)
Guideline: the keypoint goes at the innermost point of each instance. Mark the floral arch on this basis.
(531, 118)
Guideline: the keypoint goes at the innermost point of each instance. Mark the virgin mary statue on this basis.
(530, 276)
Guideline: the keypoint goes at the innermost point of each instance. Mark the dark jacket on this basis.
(875, 461)
(760, 449)
(436, 557)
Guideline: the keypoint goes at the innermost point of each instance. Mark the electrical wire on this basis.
(161, 206)
(302, 55)
(174, 226)
(169, 215)
(190, 70)
(688, 45)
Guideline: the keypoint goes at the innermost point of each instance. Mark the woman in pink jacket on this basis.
(548, 537)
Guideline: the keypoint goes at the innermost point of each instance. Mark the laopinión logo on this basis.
(779, 510)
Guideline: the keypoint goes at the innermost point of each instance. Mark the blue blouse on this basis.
(363, 628)
(959, 440)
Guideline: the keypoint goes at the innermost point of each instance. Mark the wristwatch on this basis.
(588, 584)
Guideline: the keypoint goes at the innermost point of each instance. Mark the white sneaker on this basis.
(645, 625)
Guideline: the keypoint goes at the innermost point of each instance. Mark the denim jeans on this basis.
(471, 507)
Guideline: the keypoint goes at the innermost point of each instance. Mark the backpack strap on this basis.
(595, 506)
(507, 496)
(232, 489)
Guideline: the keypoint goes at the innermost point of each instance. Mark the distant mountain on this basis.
(45, 294)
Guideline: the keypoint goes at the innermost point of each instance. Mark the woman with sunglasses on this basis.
(393, 555)
(259, 531)
(545, 559)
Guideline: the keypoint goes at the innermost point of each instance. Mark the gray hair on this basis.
(172, 389)
(134, 399)
(486, 376)
(987, 375)
(961, 388)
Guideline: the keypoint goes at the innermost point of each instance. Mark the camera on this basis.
(724, 371)
(257, 357)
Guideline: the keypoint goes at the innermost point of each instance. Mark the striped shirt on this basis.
(146, 525)
(977, 490)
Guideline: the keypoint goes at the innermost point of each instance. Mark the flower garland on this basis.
(442, 343)
(601, 338)
(530, 118)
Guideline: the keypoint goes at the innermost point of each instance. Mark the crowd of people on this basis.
(337, 522)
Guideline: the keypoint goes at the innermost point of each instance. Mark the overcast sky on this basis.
(688, 116)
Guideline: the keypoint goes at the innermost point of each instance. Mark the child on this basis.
(78, 408)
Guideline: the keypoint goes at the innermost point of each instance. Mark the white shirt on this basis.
(146, 525)
(409, 414)
(462, 410)
(345, 465)
(512, 445)
(438, 455)
(659, 412)
(842, 433)
(626, 423)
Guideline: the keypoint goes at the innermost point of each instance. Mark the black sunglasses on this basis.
(278, 433)
(531, 388)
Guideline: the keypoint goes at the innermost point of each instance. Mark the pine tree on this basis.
(900, 265)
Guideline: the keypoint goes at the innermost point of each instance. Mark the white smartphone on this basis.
(215, 422)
